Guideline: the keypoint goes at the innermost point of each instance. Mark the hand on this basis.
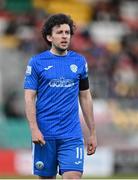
(91, 145)
(37, 137)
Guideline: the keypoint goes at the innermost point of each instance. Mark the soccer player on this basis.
(54, 82)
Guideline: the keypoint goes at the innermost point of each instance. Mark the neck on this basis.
(58, 52)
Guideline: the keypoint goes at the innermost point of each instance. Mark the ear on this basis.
(49, 38)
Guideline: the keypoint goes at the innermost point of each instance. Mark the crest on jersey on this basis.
(39, 165)
(73, 68)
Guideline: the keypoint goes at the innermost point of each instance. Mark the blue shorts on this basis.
(63, 155)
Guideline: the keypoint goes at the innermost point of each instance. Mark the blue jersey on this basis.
(56, 81)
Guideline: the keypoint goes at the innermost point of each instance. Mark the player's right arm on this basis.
(30, 110)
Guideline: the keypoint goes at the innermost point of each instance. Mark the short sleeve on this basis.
(84, 81)
(31, 75)
(84, 73)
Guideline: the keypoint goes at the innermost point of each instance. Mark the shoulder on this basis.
(78, 56)
(37, 57)
(74, 53)
(40, 55)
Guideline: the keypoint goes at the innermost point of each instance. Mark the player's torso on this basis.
(57, 102)
(58, 72)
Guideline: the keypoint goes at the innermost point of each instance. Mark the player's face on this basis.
(60, 38)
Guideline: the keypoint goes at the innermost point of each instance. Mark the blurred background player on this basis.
(55, 80)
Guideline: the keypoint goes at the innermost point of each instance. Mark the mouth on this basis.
(64, 43)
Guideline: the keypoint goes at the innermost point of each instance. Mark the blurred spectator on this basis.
(129, 13)
(83, 43)
(106, 11)
(11, 26)
(12, 105)
(124, 68)
(2, 4)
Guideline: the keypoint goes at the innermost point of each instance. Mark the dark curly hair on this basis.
(56, 19)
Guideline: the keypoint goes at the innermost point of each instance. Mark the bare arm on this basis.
(30, 96)
(87, 110)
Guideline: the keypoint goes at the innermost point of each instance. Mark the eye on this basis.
(67, 32)
(59, 32)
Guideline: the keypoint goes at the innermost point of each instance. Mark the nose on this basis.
(64, 35)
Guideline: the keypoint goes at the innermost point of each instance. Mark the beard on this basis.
(61, 49)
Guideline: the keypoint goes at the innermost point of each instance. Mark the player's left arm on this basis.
(87, 110)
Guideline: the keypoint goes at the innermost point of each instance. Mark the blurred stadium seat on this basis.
(80, 11)
(18, 5)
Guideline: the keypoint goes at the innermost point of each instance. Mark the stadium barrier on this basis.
(19, 162)
(104, 163)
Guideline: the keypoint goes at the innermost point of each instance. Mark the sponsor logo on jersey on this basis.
(73, 68)
(28, 70)
(61, 83)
